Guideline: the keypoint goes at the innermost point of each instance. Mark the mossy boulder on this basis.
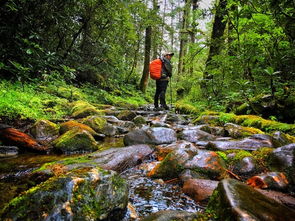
(126, 115)
(83, 109)
(139, 120)
(75, 140)
(171, 166)
(70, 125)
(233, 200)
(97, 123)
(44, 130)
(237, 131)
(68, 93)
(85, 194)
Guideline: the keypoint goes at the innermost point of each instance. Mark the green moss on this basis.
(70, 125)
(185, 108)
(97, 123)
(75, 140)
(263, 156)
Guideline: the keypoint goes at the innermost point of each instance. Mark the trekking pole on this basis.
(170, 93)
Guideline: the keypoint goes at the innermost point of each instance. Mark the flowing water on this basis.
(145, 195)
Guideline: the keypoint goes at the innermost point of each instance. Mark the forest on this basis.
(85, 63)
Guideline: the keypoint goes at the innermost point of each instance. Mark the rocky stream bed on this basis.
(108, 164)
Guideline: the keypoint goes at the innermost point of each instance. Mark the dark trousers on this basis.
(161, 87)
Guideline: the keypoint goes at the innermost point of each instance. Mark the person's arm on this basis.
(168, 67)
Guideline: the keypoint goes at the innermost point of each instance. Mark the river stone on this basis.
(86, 194)
(120, 159)
(252, 143)
(195, 135)
(283, 198)
(245, 166)
(199, 189)
(208, 163)
(284, 157)
(189, 174)
(74, 141)
(155, 135)
(138, 120)
(172, 165)
(163, 150)
(234, 200)
(270, 180)
(169, 215)
(109, 130)
(44, 130)
(8, 151)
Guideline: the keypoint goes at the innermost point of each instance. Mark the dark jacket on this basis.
(166, 69)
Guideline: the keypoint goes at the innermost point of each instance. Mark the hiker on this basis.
(162, 83)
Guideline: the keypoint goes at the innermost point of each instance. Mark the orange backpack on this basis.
(156, 69)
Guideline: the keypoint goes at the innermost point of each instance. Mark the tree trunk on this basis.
(156, 35)
(183, 37)
(147, 52)
(217, 33)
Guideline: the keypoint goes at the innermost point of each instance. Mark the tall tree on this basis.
(147, 55)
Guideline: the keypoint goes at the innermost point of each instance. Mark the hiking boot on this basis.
(165, 107)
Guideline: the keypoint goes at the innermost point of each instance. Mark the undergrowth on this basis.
(50, 100)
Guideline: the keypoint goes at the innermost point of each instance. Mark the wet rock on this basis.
(245, 166)
(163, 150)
(252, 143)
(217, 131)
(126, 115)
(175, 118)
(284, 157)
(195, 135)
(206, 162)
(199, 189)
(207, 119)
(120, 159)
(233, 200)
(237, 131)
(270, 180)
(75, 140)
(44, 130)
(87, 194)
(155, 135)
(13, 137)
(8, 151)
(169, 215)
(111, 119)
(171, 166)
(97, 123)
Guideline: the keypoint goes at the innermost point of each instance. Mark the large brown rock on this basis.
(199, 189)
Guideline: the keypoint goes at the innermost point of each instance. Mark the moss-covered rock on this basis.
(126, 115)
(220, 118)
(44, 130)
(70, 125)
(83, 109)
(97, 123)
(237, 131)
(139, 120)
(85, 194)
(186, 108)
(171, 166)
(75, 140)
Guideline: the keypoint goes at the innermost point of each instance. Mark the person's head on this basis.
(168, 55)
